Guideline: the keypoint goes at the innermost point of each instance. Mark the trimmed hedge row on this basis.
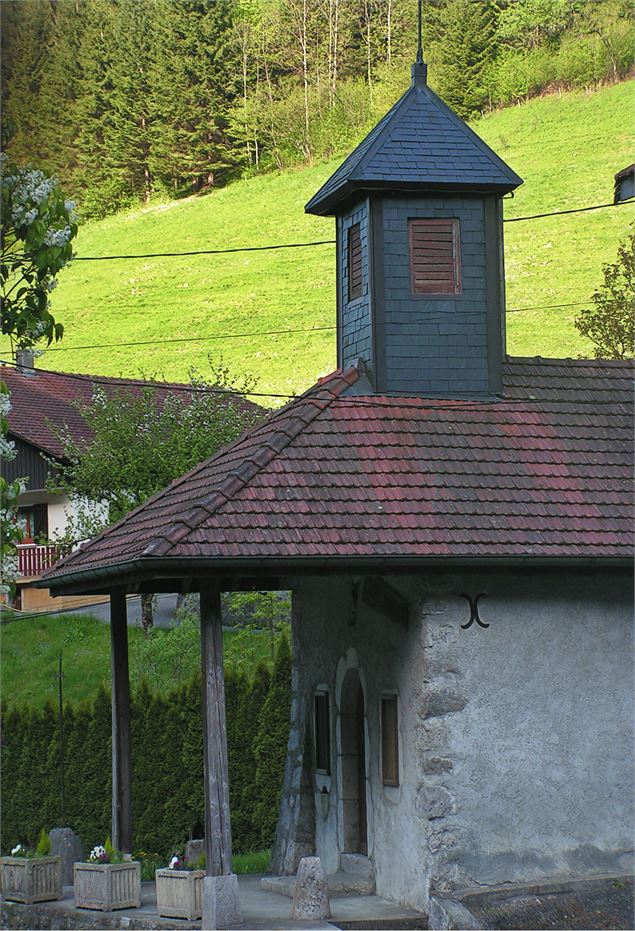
(167, 750)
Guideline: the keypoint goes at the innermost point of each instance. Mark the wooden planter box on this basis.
(180, 893)
(106, 886)
(31, 879)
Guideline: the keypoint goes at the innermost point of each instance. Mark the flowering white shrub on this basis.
(38, 224)
(10, 530)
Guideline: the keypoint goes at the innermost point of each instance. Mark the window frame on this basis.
(322, 742)
(355, 289)
(393, 778)
(442, 223)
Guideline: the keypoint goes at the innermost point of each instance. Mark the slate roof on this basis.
(43, 403)
(545, 472)
(419, 144)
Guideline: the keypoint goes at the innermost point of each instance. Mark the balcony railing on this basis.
(36, 558)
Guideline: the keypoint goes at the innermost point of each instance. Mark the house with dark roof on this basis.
(46, 408)
(456, 528)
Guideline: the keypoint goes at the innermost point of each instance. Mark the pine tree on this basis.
(464, 52)
(195, 79)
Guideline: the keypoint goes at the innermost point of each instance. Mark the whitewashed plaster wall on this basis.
(516, 741)
(62, 508)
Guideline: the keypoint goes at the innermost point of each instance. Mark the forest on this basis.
(122, 100)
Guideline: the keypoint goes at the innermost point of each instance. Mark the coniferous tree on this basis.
(464, 52)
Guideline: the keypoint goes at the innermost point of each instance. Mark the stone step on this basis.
(340, 884)
(358, 864)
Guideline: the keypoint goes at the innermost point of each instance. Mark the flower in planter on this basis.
(179, 862)
(105, 853)
(42, 848)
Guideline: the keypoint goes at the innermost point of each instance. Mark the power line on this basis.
(435, 318)
(160, 255)
(305, 245)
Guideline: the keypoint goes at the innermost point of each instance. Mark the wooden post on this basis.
(218, 843)
(121, 758)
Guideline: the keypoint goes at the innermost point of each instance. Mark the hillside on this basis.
(30, 649)
(566, 147)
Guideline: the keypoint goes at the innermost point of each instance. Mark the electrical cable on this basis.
(435, 318)
(321, 242)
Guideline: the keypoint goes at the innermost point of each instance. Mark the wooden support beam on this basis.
(218, 842)
(121, 757)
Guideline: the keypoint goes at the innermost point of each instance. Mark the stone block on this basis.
(311, 896)
(221, 906)
(66, 844)
(194, 849)
(446, 914)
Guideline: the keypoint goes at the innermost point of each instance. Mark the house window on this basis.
(389, 740)
(354, 262)
(322, 720)
(435, 256)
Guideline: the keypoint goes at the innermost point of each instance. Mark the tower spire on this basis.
(419, 69)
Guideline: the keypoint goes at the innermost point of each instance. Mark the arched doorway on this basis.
(353, 764)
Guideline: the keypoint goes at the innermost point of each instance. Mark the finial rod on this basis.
(419, 69)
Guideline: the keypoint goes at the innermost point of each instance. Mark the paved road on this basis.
(163, 613)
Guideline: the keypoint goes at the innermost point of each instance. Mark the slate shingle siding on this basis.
(435, 344)
(356, 315)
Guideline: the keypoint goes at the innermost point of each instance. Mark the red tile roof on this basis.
(544, 472)
(47, 402)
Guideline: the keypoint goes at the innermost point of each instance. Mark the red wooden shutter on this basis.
(435, 256)
(354, 262)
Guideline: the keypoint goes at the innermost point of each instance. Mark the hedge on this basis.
(167, 760)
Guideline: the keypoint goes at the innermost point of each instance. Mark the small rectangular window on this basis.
(435, 256)
(354, 262)
(389, 740)
(322, 733)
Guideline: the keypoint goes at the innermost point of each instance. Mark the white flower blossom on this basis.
(17, 849)
(174, 862)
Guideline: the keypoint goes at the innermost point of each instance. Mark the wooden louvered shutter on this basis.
(435, 256)
(354, 262)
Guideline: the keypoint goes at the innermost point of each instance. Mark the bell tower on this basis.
(420, 266)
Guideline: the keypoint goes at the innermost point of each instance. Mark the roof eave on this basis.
(337, 200)
(137, 571)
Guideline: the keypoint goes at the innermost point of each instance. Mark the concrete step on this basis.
(340, 884)
(358, 864)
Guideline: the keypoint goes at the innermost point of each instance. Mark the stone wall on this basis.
(515, 741)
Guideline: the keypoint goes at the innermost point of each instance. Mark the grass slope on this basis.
(30, 648)
(566, 147)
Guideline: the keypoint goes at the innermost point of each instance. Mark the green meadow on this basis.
(30, 649)
(567, 147)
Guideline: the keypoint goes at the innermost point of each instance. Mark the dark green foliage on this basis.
(466, 50)
(123, 98)
(167, 747)
(270, 745)
(609, 324)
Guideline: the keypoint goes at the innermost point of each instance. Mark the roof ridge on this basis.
(240, 476)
